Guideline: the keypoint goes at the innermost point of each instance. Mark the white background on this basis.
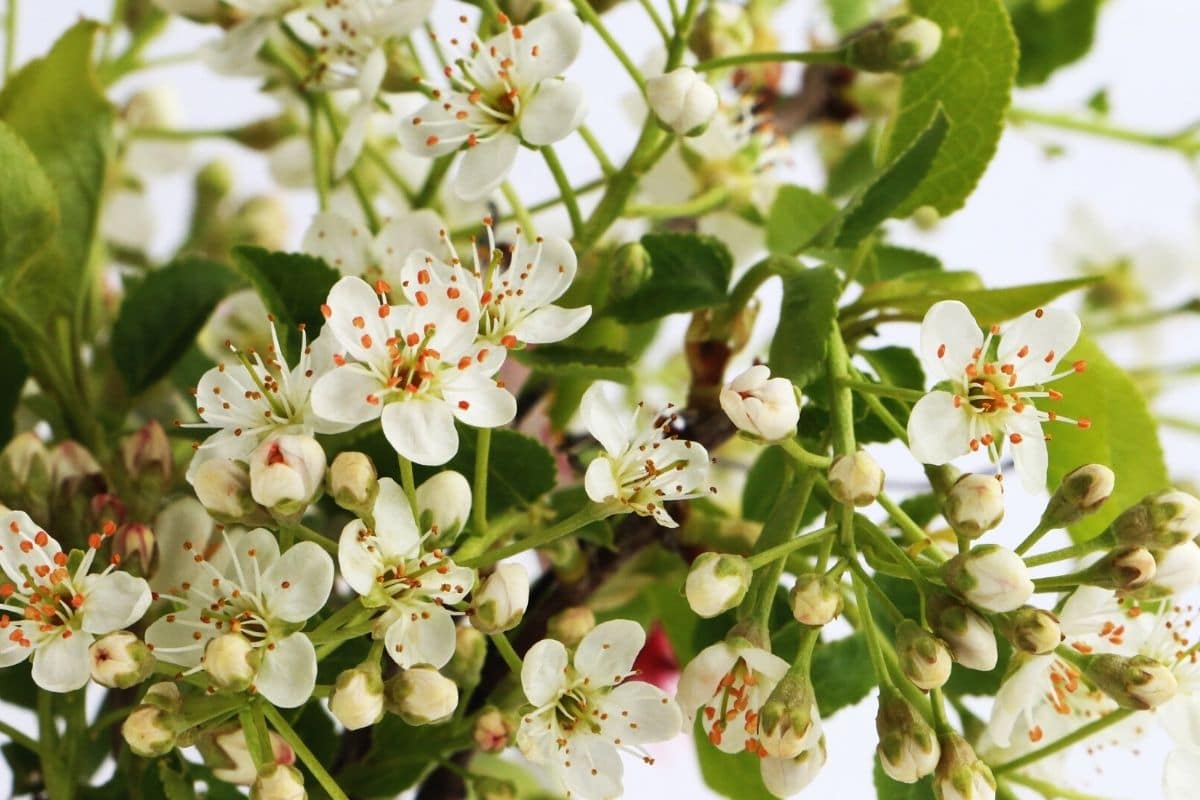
(1031, 218)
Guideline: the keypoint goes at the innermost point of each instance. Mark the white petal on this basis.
(400, 17)
(237, 52)
(607, 653)
(396, 532)
(297, 585)
(551, 324)
(451, 586)
(61, 665)
(785, 777)
(640, 712)
(555, 38)
(487, 405)
(1181, 774)
(485, 166)
(1020, 692)
(699, 680)
(600, 481)
(354, 321)
(371, 74)
(949, 323)
(340, 395)
(1181, 719)
(405, 235)
(554, 113)
(341, 243)
(424, 640)
(432, 130)
(1043, 334)
(610, 426)
(172, 636)
(113, 601)
(12, 652)
(288, 672)
(421, 429)
(938, 432)
(1029, 454)
(544, 671)
(358, 564)
(592, 769)
(351, 144)
(17, 528)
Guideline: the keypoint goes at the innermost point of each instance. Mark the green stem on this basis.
(779, 528)
(389, 171)
(181, 134)
(883, 390)
(1184, 141)
(867, 625)
(841, 397)
(10, 39)
(710, 200)
(483, 446)
(519, 211)
(683, 32)
(592, 18)
(306, 756)
(564, 188)
(28, 742)
(657, 20)
(356, 184)
(937, 704)
(320, 164)
(1074, 551)
(505, 648)
(909, 530)
(593, 144)
(258, 741)
(1050, 791)
(880, 410)
(880, 595)
(1033, 538)
(804, 57)
(1063, 742)
(804, 457)
(295, 530)
(771, 554)
(433, 181)
(409, 483)
(592, 512)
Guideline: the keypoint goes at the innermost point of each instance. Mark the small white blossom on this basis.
(716, 583)
(422, 696)
(759, 404)
(682, 100)
(499, 603)
(287, 472)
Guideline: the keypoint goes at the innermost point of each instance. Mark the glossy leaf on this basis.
(292, 285)
(797, 215)
(1051, 35)
(569, 361)
(687, 272)
(808, 308)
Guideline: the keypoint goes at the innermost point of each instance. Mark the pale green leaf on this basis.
(797, 215)
(808, 308)
(1051, 35)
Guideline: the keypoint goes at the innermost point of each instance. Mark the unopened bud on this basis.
(146, 455)
(286, 473)
(855, 479)
(815, 599)
(227, 753)
(975, 505)
(278, 782)
(908, 747)
(899, 44)
(25, 472)
(1160, 520)
(265, 133)
(151, 729)
(970, 637)
(444, 505)
(721, 29)
(1081, 492)
(421, 696)
(120, 660)
(357, 697)
(353, 482)
(1032, 630)
(761, 405)
(789, 777)
(989, 576)
(69, 460)
(1178, 568)
(629, 269)
(1137, 682)
(789, 721)
(682, 100)
(570, 625)
(134, 543)
(1123, 569)
(924, 658)
(470, 651)
(231, 661)
(499, 604)
(223, 487)
(960, 773)
(716, 583)
(493, 730)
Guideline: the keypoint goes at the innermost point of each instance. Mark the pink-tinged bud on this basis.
(223, 487)
(716, 583)
(134, 543)
(682, 101)
(1082, 492)
(493, 730)
(925, 659)
(287, 472)
(908, 747)
(975, 505)
(227, 753)
(120, 660)
(71, 460)
(815, 599)
(969, 635)
(570, 625)
(1138, 682)
(1123, 569)
(761, 405)
(855, 479)
(960, 773)
(990, 577)
(499, 603)
(231, 661)
(353, 482)
(278, 782)
(422, 696)
(146, 455)
(357, 698)
(1032, 630)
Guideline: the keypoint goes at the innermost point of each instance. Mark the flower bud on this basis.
(960, 774)
(816, 599)
(975, 505)
(69, 460)
(444, 505)
(223, 487)
(716, 583)
(722, 29)
(25, 474)
(146, 455)
(570, 625)
(493, 730)
(970, 637)
(470, 651)
(908, 748)
(1160, 520)
(924, 658)
(231, 661)
(286, 473)
(899, 44)
(1122, 569)
(1081, 492)
(682, 100)
(1138, 682)
(357, 697)
(1178, 567)
(278, 782)
(759, 404)
(989, 576)
(789, 721)
(134, 543)
(422, 696)
(352, 481)
(855, 479)
(227, 753)
(788, 778)
(120, 660)
(629, 268)
(500, 603)
(150, 731)
(1032, 630)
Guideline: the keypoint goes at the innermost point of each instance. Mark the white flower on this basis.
(350, 248)
(759, 404)
(179, 529)
(53, 614)
(682, 100)
(1178, 567)
(499, 604)
(505, 92)
(247, 587)
(236, 53)
(416, 367)
(585, 710)
(444, 504)
(991, 400)
(643, 465)
(287, 472)
(259, 397)
(387, 565)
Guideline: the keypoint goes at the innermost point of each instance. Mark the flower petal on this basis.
(421, 429)
(701, 676)
(288, 672)
(297, 585)
(609, 425)
(787, 777)
(554, 113)
(544, 671)
(600, 481)
(551, 324)
(1029, 448)
(478, 401)
(637, 712)
(353, 319)
(1036, 342)
(548, 45)
(405, 235)
(12, 652)
(1181, 774)
(113, 601)
(350, 146)
(421, 634)
(19, 553)
(949, 338)
(433, 130)
(485, 166)
(340, 395)
(607, 653)
(174, 640)
(396, 531)
(61, 664)
(938, 431)
(358, 558)
(592, 769)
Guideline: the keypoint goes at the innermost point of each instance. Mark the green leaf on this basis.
(293, 286)
(28, 207)
(1123, 435)
(888, 261)
(520, 470)
(161, 316)
(855, 167)
(570, 361)
(841, 673)
(15, 372)
(687, 271)
(735, 776)
(400, 755)
(175, 785)
(808, 308)
(910, 296)
(1051, 35)
(971, 78)
(762, 484)
(895, 183)
(797, 215)
(888, 789)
